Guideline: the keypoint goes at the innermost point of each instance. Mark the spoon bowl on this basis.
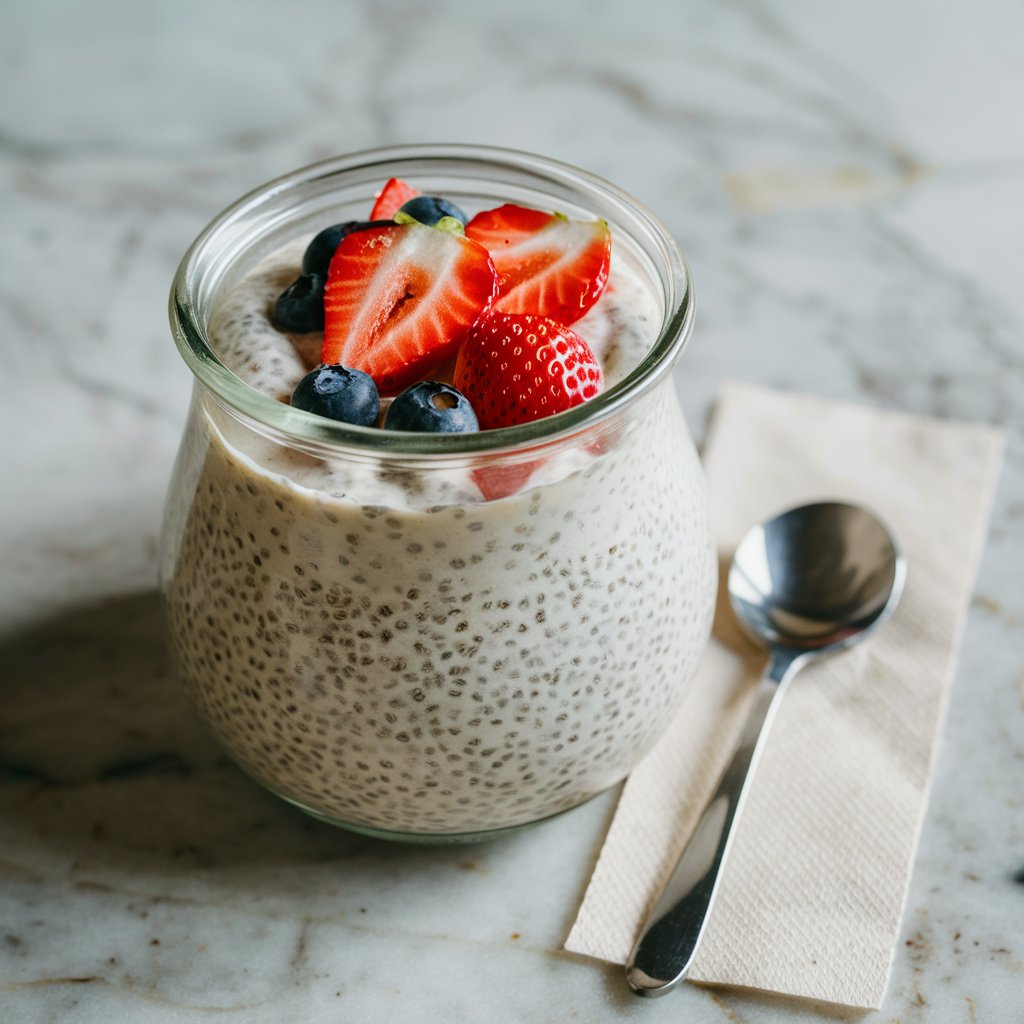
(815, 577)
(806, 583)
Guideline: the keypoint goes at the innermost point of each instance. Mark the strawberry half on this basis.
(498, 481)
(546, 264)
(391, 198)
(400, 300)
(517, 367)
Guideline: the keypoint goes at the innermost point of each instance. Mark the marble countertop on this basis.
(848, 183)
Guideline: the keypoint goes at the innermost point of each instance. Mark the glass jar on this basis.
(435, 637)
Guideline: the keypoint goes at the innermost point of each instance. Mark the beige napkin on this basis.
(813, 889)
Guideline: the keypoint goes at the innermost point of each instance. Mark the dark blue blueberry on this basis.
(432, 407)
(317, 257)
(430, 209)
(300, 307)
(339, 394)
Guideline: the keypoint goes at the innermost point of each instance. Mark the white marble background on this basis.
(848, 182)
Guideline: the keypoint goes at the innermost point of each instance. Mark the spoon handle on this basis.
(663, 953)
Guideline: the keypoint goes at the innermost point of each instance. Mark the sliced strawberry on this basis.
(500, 481)
(516, 367)
(390, 198)
(400, 300)
(546, 264)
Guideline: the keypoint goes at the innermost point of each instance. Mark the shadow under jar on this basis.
(435, 637)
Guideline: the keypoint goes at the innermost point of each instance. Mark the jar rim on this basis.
(191, 337)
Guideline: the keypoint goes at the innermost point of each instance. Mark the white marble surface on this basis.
(848, 183)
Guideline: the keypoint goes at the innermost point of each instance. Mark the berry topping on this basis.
(390, 199)
(338, 393)
(300, 307)
(317, 257)
(516, 367)
(401, 299)
(432, 407)
(430, 209)
(499, 481)
(546, 264)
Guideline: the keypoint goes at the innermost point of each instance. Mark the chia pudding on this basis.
(376, 638)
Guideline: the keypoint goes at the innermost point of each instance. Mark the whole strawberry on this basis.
(518, 367)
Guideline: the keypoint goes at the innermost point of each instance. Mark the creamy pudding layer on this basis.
(469, 668)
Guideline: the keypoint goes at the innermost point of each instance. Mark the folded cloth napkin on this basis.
(814, 885)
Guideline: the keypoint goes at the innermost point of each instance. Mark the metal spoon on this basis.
(809, 582)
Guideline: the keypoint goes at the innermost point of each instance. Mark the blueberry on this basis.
(317, 257)
(432, 407)
(338, 393)
(430, 209)
(300, 307)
